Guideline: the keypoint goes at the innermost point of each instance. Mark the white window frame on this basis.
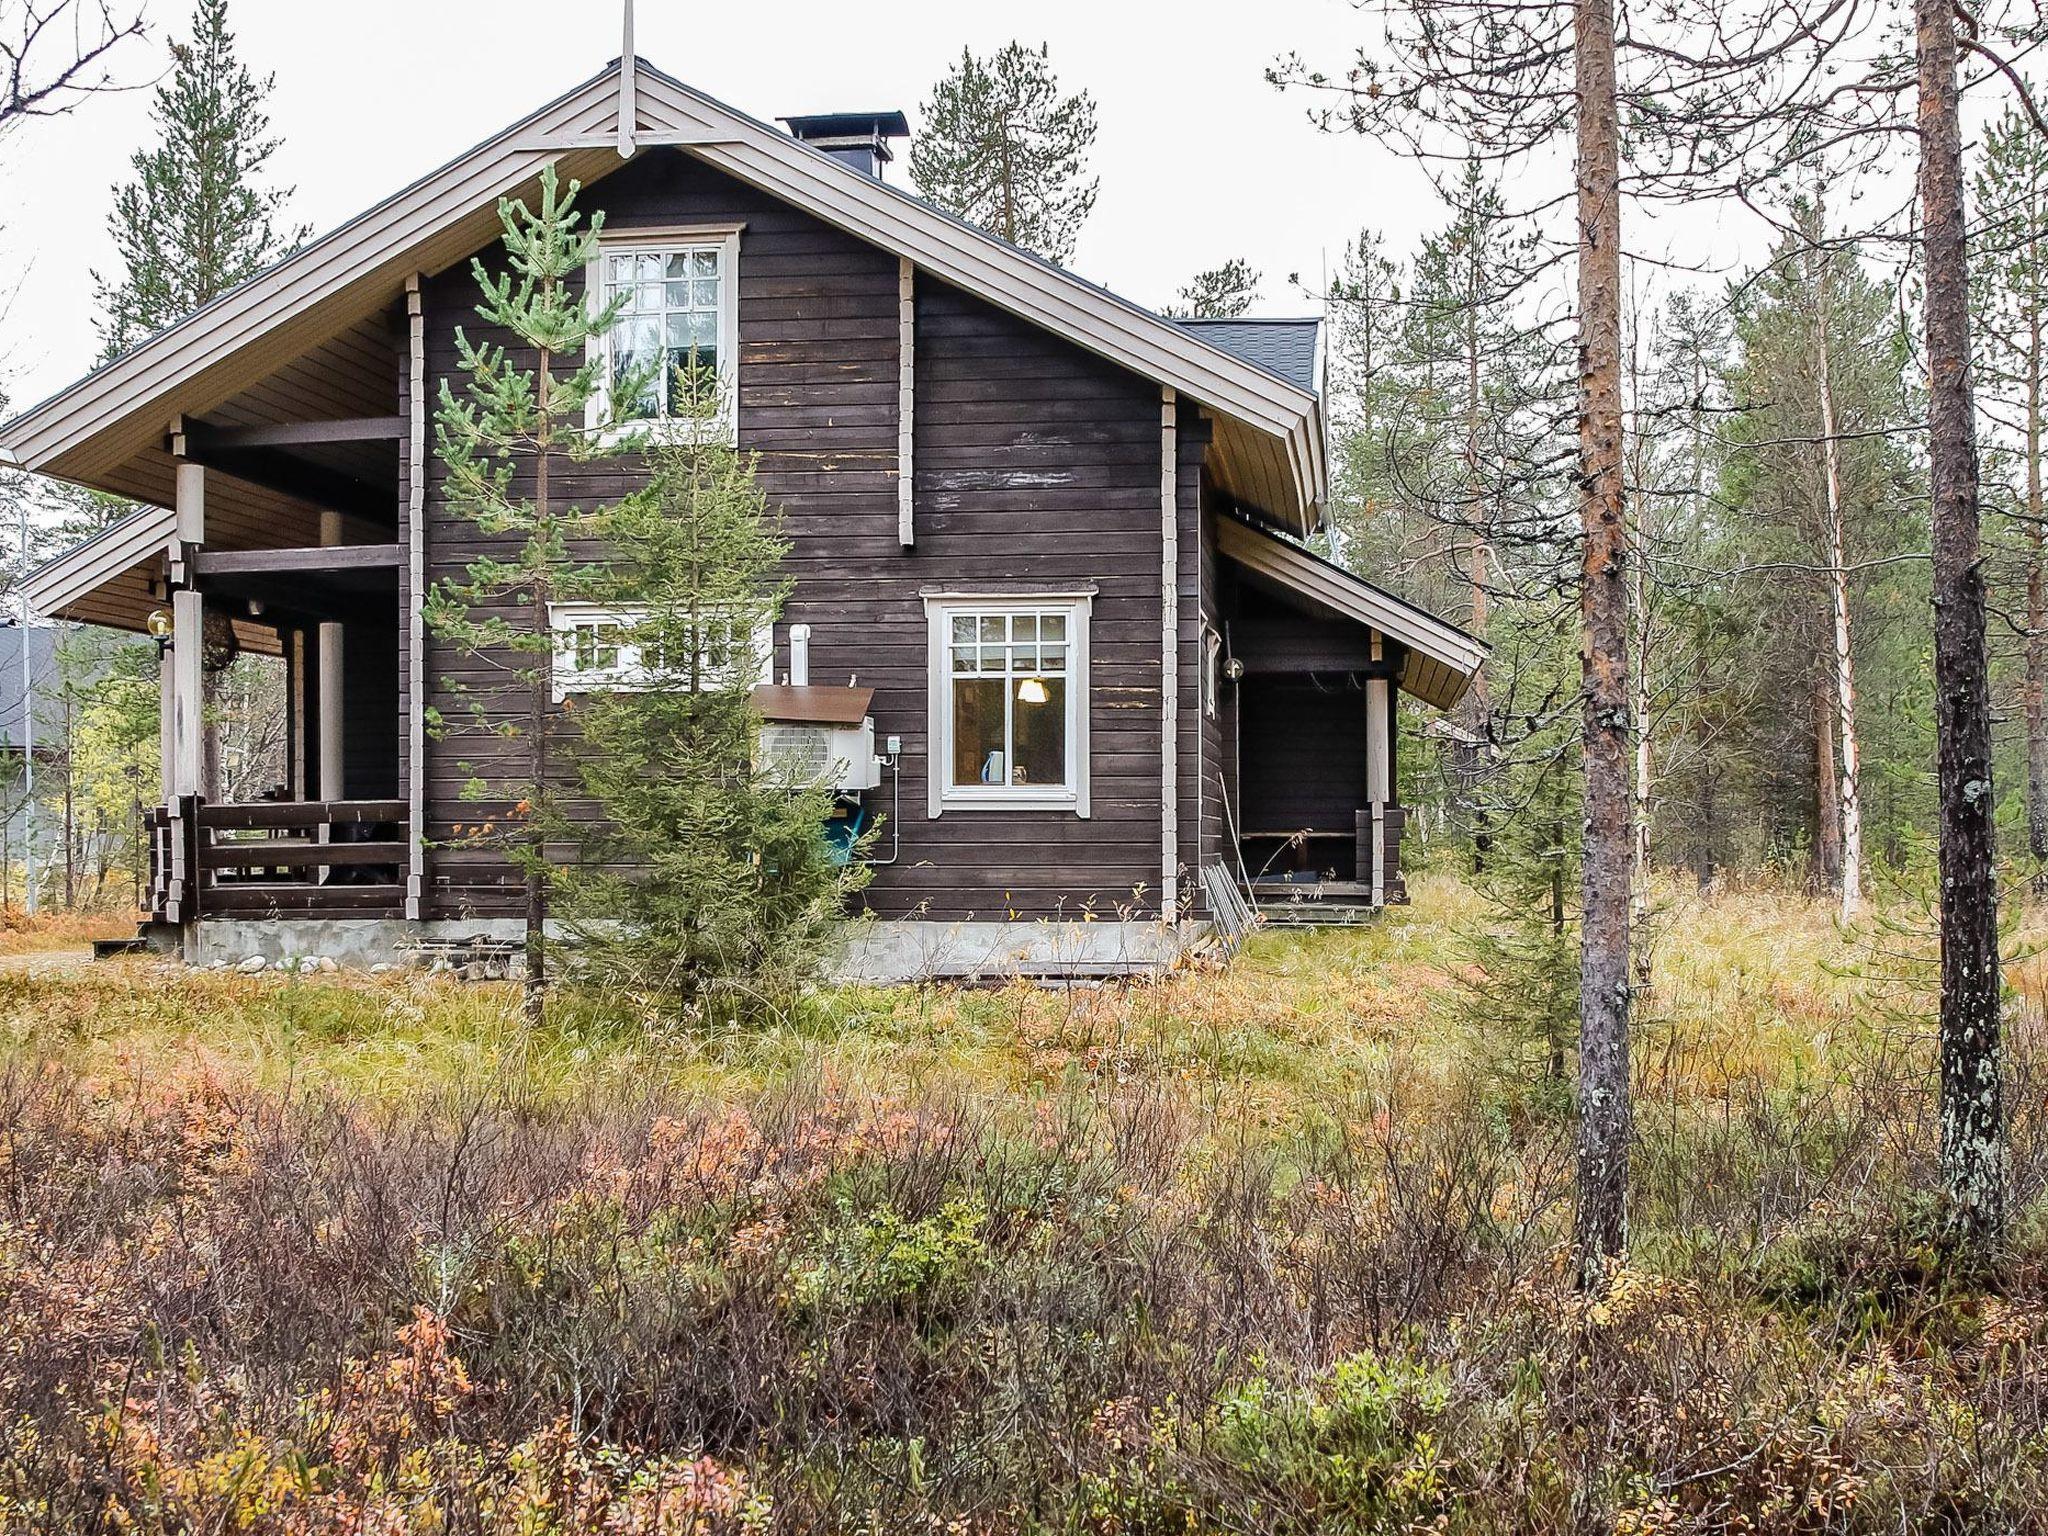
(725, 238)
(944, 795)
(627, 674)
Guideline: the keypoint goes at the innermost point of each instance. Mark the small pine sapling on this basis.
(705, 887)
(499, 441)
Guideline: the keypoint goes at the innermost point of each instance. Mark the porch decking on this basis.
(1318, 876)
(278, 858)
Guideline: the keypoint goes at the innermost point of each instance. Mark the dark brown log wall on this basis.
(1037, 465)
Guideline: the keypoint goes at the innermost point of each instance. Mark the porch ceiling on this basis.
(1441, 660)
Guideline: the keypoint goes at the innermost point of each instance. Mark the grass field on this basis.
(1271, 1248)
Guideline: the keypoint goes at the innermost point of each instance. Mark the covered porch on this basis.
(1314, 656)
(275, 589)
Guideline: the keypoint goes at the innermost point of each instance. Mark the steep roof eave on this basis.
(59, 428)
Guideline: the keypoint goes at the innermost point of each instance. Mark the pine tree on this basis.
(1003, 148)
(1219, 293)
(197, 220)
(512, 425)
(705, 887)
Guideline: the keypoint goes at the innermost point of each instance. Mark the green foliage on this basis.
(1004, 149)
(517, 414)
(197, 220)
(1219, 293)
(1356, 1449)
(1877, 1268)
(880, 1257)
(703, 884)
(1521, 983)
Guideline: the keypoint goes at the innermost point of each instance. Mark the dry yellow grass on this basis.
(1749, 984)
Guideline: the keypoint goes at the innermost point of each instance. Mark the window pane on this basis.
(678, 295)
(706, 263)
(1024, 628)
(1052, 626)
(707, 292)
(992, 629)
(1052, 658)
(966, 659)
(677, 265)
(1041, 744)
(963, 629)
(978, 731)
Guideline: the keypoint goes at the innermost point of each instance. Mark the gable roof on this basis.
(1442, 658)
(1284, 348)
(106, 429)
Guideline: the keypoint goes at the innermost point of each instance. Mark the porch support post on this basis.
(1169, 659)
(1379, 725)
(328, 645)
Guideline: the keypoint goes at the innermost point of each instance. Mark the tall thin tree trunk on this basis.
(535, 995)
(1827, 788)
(1639, 692)
(1604, 1114)
(1972, 1096)
(1478, 569)
(70, 812)
(2037, 609)
(1838, 585)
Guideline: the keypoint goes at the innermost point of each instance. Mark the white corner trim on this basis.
(1169, 652)
(1072, 797)
(416, 576)
(906, 400)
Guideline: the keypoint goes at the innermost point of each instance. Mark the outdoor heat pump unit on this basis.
(818, 737)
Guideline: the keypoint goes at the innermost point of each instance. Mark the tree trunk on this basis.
(2037, 613)
(535, 994)
(1476, 708)
(1604, 1117)
(1827, 823)
(1838, 584)
(1972, 1099)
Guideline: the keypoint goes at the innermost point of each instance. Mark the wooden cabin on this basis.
(1049, 542)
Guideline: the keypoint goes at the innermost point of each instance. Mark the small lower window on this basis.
(598, 650)
(1009, 703)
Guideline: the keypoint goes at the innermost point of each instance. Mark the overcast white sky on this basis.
(1200, 159)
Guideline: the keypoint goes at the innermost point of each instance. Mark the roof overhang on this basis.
(106, 580)
(106, 430)
(1441, 660)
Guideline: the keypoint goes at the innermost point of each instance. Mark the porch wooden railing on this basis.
(270, 859)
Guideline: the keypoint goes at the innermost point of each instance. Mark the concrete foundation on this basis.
(878, 952)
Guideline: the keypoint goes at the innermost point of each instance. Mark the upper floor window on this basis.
(679, 320)
(1009, 702)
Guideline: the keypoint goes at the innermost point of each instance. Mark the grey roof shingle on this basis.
(1284, 348)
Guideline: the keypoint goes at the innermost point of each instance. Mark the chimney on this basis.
(861, 139)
